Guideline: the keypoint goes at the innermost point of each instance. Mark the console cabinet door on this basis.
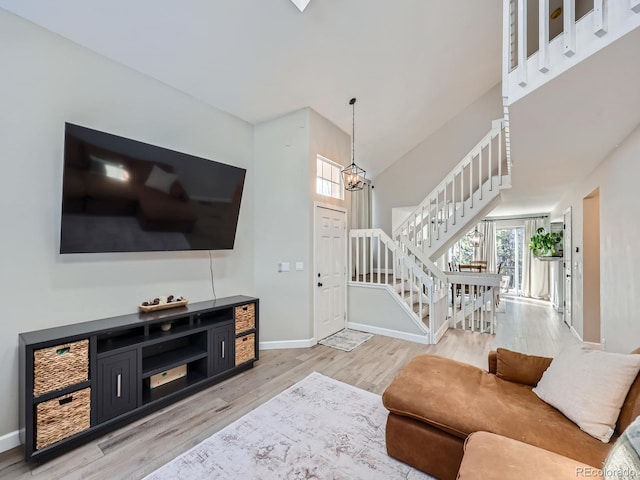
(223, 348)
(117, 392)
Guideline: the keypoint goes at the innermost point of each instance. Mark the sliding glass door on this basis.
(510, 249)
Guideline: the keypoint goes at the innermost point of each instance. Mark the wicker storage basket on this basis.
(245, 317)
(61, 417)
(60, 366)
(245, 348)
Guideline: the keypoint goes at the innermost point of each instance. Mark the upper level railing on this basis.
(539, 44)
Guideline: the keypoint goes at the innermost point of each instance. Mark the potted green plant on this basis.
(546, 244)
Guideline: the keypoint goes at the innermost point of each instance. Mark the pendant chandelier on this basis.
(353, 176)
(476, 237)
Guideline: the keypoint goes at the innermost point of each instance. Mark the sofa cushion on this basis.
(461, 399)
(624, 458)
(589, 387)
(631, 407)
(494, 457)
(521, 368)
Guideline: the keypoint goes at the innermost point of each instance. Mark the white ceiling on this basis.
(412, 64)
(564, 129)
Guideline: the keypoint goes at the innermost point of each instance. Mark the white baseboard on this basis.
(594, 345)
(279, 345)
(411, 337)
(574, 331)
(9, 441)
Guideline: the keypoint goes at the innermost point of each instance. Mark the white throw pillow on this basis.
(160, 180)
(589, 387)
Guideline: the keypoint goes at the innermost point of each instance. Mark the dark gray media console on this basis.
(80, 381)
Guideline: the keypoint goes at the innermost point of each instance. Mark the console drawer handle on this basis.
(65, 400)
(62, 351)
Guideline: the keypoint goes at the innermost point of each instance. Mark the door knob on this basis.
(319, 284)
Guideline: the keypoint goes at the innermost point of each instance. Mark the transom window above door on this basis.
(328, 178)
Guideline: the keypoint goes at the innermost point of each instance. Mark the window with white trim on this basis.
(328, 178)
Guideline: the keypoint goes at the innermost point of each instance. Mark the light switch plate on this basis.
(299, 266)
(283, 267)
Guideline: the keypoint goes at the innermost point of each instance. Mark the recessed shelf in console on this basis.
(116, 339)
(214, 317)
(175, 351)
(194, 375)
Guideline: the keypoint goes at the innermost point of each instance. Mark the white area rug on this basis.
(317, 429)
(346, 339)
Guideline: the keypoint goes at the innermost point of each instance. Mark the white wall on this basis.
(377, 310)
(47, 81)
(412, 177)
(616, 177)
(281, 223)
(286, 149)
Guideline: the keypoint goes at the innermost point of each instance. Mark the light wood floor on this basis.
(139, 448)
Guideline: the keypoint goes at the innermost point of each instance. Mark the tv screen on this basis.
(121, 195)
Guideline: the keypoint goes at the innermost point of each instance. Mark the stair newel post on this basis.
(386, 264)
(350, 256)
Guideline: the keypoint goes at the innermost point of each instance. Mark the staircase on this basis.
(379, 262)
(465, 196)
(430, 300)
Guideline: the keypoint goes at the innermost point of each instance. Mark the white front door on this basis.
(567, 267)
(330, 277)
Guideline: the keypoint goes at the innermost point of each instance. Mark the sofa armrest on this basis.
(493, 362)
(519, 367)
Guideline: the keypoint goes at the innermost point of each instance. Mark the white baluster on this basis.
(491, 164)
(378, 264)
(569, 14)
(480, 171)
(543, 36)
(358, 258)
(522, 43)
(471, 182)
(371, 258)
(500, 157)
(453, 197)
(600, 26)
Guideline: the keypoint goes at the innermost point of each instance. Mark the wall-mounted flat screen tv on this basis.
(121, 195)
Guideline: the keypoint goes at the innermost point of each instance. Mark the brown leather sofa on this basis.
(436, 403)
